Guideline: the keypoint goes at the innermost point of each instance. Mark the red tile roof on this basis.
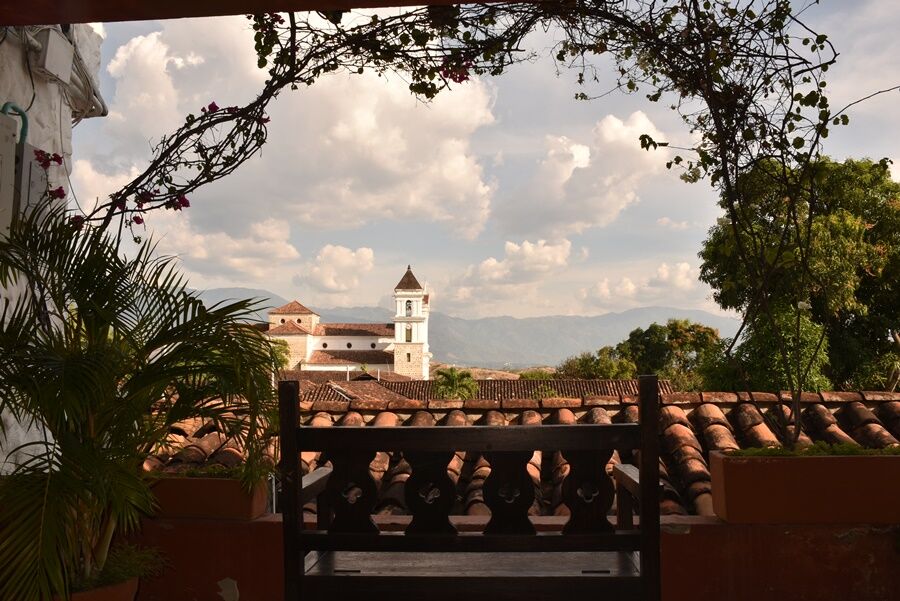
(408, 281)
(329, 357)
(382, 330)
(288, 328)
(338, 375)
(292, 308)
(526, 389)
(691, 425)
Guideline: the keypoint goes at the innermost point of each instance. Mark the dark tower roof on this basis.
(408, 281)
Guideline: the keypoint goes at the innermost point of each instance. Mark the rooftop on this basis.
(691, 425)
(292, 308)
(408, 281)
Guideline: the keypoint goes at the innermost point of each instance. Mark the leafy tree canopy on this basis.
(850, 278)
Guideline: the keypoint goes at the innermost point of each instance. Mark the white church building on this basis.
(400, 347)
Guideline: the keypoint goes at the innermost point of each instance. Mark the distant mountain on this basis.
(508, 341)
(268, 300)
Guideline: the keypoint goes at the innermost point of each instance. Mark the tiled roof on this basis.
(292, 308)
(524, 389)
(288, 328)
(691, 425)
(383, 330)
(408, 281)
(338, 375)
(329, 357)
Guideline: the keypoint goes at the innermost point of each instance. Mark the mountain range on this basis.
(510, 342)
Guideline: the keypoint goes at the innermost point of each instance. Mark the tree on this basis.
(853, 259)
(607, 364)
(535, 374)
(453, 383)
(673, 351)
(102, 354)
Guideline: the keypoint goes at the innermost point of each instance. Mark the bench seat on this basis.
(490, 576)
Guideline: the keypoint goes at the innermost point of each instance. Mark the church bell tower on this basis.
(411, 355)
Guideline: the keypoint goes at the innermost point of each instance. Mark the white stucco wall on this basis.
(50, 129)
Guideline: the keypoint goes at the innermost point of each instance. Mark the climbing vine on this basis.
(747, 77)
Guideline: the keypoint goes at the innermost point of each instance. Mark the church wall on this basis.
(415, 367)
(297, 346)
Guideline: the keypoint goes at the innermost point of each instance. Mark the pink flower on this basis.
(56, 159)
(262, 120)
(138, 219)
(183, 202)
(57, 193)
(76, 221)
(231, 109)
(42, 158)
(213, 107)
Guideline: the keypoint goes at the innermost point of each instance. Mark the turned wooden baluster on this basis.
(588, 492)
(429, 493)
(352, 491)
(509, 492)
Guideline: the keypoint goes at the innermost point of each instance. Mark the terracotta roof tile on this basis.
(890, 416)
(822, 425)
(292, 308)
(518, 389)
(381, 330)
(288, 328)
(687, 433)
(328, 357)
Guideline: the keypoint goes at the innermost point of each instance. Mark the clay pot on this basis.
(806, 490)
(212, 498)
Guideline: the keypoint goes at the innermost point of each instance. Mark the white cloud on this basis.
(680, 276)
(93, 187)
(625, 288)
(518, 275)
(668, 223)
(349, 151)
(579, 185)
(337, 269)
(261, 256)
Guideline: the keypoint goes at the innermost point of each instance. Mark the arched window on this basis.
(409, 308)
(409, 332)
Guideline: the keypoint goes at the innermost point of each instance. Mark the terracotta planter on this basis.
(123, 591)
(806, 490)
(213, 498)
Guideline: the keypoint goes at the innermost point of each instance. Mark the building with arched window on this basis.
(400, 347)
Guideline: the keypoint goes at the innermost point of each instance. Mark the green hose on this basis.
(11, 107)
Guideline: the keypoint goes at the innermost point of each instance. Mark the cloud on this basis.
(680, 276)
(670, 224)
(337, 269)
(518, 275)
(258, 257)
(582, 184)
(349, 151)
(669, 285)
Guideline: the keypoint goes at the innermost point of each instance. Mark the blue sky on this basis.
(506, 195)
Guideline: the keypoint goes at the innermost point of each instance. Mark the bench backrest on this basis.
(350, 494)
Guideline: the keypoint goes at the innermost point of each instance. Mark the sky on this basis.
(506, 195)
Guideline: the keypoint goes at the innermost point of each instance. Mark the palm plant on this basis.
(100, 354)
(453, 383)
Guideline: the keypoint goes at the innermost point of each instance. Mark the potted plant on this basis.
(215, 492)
(840, 484)
(99, 355)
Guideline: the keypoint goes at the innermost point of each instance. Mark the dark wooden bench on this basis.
(347, 555)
